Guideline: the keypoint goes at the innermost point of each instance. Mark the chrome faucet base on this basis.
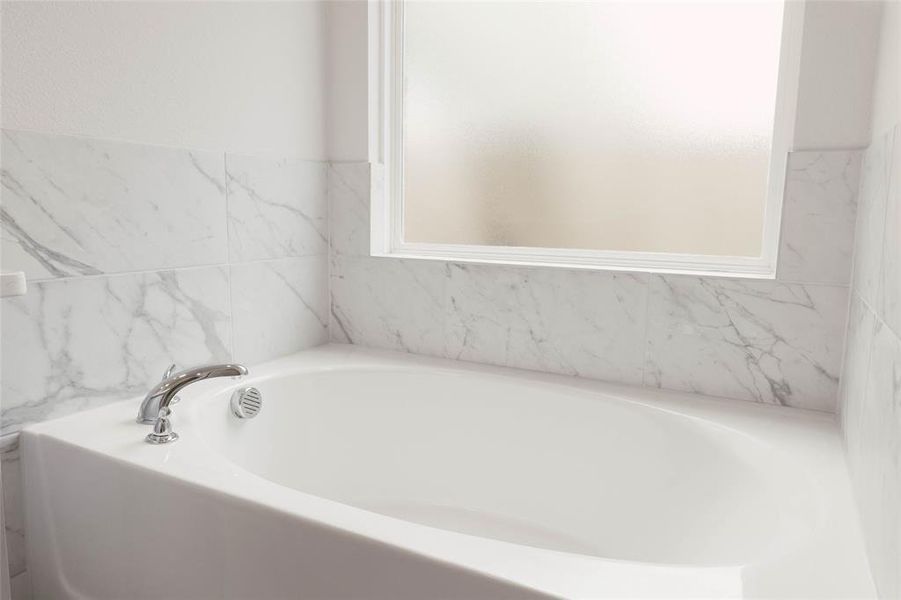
(155, 438)
(162, 429)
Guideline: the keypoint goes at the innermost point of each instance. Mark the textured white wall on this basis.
(347, 43)
(253, 76)
(346, 80)
(837, 63)
(834, 99)
(235, 76)
(887, 90)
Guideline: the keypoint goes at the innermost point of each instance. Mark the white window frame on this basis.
(386, 151)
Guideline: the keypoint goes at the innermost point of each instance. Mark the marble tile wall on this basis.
(777, 342)
(871, 383)
(14, 518)
(140, 256)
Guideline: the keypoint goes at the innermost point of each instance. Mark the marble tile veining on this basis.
(75, 206)
(819, 212)
(276, 208)
(349, 187)
(875, 457)
(855, 370)
(870, 231)
(890, 280)
(13, 511)
(755, 340)
(584, 323)
(279, 307)
(389, 303)
(75, 343)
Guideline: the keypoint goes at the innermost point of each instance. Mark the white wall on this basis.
(837, 63)
(230, 76)
(347, 46)
(346, 79)
(254, 82)
(887, 89)
(834, 98)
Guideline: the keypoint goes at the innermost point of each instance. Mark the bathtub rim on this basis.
(812, 437)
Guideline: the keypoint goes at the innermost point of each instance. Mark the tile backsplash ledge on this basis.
(776, 342)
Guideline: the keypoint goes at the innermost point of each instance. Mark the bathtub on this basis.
(376, 475)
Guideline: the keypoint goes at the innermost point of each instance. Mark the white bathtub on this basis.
(376, 475)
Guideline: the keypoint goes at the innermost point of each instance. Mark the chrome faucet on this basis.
(155, 407)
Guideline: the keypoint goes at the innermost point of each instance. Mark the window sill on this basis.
(596, 260)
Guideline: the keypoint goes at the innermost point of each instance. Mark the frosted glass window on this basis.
(625, 126)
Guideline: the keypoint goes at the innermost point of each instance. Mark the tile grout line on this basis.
(879, 318)
(47, 280)
(328, 249)
(228, 268)
(880, 270)
(165, 269)
(852, 291)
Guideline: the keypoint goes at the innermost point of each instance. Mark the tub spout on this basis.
(157, 400)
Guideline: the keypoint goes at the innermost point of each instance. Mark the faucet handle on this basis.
(162, 430)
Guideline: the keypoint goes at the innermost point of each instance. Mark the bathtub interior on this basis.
(522, 462)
